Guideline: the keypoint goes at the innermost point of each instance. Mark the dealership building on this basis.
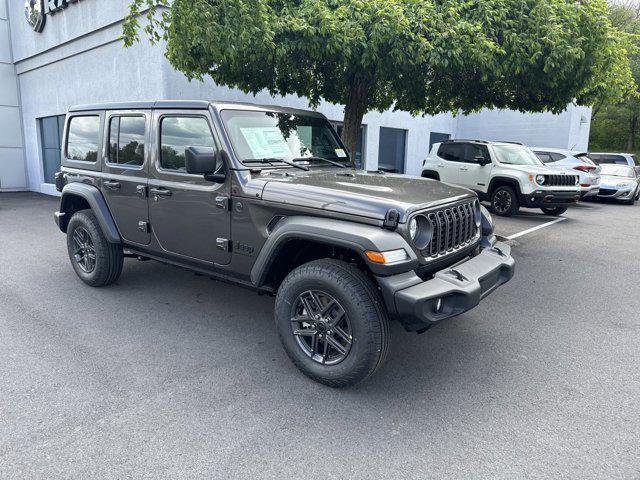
(59, 53)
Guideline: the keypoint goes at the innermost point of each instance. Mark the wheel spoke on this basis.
(335, 344)
(305, 332)
(328, 307)
(301, 318)
(340, 315)
(314, 344)
(342, 334)
(307, 306)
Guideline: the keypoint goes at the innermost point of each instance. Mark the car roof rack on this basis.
(465, 140)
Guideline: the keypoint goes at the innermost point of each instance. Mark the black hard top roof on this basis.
(190, 105)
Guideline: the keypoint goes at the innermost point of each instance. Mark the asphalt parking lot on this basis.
(167, 374)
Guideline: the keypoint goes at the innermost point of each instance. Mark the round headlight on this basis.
(413, 228)
(540, 179)
(421, 231)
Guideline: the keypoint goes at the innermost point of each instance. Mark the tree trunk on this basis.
(354, 110)
(633, 129)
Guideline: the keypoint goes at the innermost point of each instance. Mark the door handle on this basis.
(111, 185)
(161, 192)
(464, 169)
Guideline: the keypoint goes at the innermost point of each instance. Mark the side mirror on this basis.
(482, 160)
(204, 161)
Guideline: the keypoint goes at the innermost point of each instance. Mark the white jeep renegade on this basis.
(507, 174)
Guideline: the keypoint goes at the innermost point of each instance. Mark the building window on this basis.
(178, 133)
(126, 141)
(84, 138)
(392, 149)
(51, 129)
(437, 137)
(359, 156)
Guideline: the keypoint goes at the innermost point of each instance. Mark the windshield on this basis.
(259, 136)
(516, 155)
(618, 171)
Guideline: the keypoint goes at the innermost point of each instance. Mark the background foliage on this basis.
(421, 56)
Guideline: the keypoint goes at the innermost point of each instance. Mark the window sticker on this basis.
(266, 142)
(341, 153)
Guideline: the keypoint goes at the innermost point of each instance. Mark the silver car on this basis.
(619, 182)
(617, 159)
(573, 162)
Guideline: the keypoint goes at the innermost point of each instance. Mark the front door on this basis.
(473, 174)
(189, 216)
(125, 167)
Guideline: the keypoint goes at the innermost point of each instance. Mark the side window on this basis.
(126, 140)
(545, 157)
(451, 151)
(472, 151)
(178, 133)
(557, 156)
(612, 159)
(84, 138)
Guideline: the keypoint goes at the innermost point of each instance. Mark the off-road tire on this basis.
(514, 205)
(109, 257)
(358, 296)
(554, 211)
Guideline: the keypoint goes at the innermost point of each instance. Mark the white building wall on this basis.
(569, 129)
(12, 160)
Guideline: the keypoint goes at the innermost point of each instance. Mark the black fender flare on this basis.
(357, 237)
(431, 174)
(511, 181)
(98, 205)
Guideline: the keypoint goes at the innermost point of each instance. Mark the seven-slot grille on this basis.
(560, 180)
(453, 228)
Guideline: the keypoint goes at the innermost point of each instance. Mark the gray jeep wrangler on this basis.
(268, 198)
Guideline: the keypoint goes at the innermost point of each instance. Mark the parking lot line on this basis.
(533, 229)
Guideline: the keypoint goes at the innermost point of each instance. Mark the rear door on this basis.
(448, 160)
(125, 168)
(473, 175)
(189, 216)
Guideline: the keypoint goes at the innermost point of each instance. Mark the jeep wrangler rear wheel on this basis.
(332, 322)
(96, 261)
(504, 201)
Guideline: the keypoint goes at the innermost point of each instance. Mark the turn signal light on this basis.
(385, 258)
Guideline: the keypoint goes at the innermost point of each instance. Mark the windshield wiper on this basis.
(271, 161)
(322, 159)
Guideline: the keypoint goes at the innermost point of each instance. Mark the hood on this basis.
(535, 169)
(357, 192)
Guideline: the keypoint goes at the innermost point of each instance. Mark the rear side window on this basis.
(126, 140)
(635, 160)
(84, 138)
(610, 159)
(451, 151)
(545, 157)
(178, 133)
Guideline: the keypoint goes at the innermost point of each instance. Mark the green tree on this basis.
(615, 121)
(420, 56)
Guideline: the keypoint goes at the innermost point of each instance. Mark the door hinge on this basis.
(223, 244)
(223, 202)
(143, 226)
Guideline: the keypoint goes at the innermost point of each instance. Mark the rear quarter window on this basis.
(83, 139)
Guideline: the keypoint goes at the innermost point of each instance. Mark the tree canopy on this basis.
(420, 56)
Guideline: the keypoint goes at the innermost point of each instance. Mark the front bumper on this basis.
(609, 191)
(549, 198)
(418, 304)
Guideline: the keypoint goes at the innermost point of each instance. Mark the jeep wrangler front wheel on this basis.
(332, 323)
(96, 261)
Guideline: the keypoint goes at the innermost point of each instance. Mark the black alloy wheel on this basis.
(504, 201)
(321, 327)
(85, 252)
